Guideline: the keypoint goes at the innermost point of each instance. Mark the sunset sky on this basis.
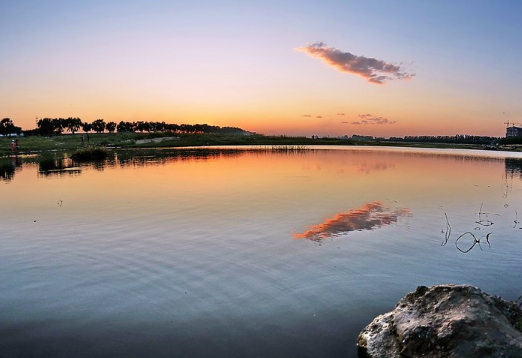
(380, 68)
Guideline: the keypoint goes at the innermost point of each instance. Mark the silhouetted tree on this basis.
(186, 128)
(125, 127)
(7, 127)
(48, 126)
(87, 127)
(139, 126)
(172, 127)
(111, 127)
(45, 126)
(73, 124)
(157, 126)
(58, 124)
(98, 125)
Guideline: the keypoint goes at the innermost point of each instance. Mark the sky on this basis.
(327, 68)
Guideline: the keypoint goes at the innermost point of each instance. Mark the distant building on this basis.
(513, 132)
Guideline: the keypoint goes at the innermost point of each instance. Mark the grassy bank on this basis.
(71, 143)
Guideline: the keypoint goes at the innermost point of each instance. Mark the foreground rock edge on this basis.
(445, 321)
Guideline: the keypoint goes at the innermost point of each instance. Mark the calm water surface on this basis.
(243, 253)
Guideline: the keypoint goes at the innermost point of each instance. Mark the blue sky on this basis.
(224, 63)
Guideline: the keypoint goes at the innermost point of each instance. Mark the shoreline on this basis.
(69, 143)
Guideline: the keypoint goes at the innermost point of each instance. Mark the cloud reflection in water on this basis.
(368, 217)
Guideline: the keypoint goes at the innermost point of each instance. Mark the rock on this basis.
(450, 321)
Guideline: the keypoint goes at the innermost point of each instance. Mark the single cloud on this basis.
(340, 114)
(319, 117)
(373, 70)
(307, 115)
(371, 119)
(368, 217)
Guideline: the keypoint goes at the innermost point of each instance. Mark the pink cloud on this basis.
(368, 217)
(371, 119)
(373, 70)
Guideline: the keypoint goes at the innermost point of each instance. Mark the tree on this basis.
(125, 127)
(73, 124)
(111, 127)
(157, 126)
(45, 126)
(98, 125)
(139, 126)
(87, 127)
(172, 127)
(58, 125)
(186, 128)
(7, 126)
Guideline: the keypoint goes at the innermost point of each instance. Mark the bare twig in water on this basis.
(483, 222)
(475, 241)
(516, 220)
(487, 240)
(448, 231)
(461, 236)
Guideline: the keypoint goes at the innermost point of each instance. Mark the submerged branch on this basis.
(448, 231)
(475, 240)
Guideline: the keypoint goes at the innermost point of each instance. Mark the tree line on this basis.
(459, 138)
(54, 126)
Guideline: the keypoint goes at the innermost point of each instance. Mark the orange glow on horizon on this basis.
(299, 114)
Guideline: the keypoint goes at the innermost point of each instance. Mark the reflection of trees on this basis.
(8, 167)
(162, 157)
(99, 165)
(57, 166)
(513, 167)
(447, 155)
(371, 167)
(368, 217)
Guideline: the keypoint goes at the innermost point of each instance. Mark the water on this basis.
(243, 253)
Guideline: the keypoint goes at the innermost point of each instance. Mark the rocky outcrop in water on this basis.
(450, 321)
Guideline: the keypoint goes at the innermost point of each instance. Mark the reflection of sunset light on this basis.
(367, 217)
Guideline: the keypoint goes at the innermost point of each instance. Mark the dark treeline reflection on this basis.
(8, 167)
(166, 156)
(514, 167)
(58, 164)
